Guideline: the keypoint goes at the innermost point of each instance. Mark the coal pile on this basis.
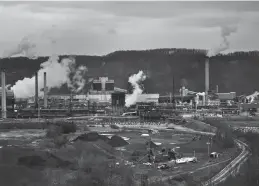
(104, 138)
(151, 144)
(31, 158)
(90, 136)
(117, 141)
(43, 161)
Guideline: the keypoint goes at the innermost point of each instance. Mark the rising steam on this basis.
(77, 81)
(57, 75)
(134, 80)
(226, 31)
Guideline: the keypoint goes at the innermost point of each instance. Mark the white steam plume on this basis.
(226, 31)
(77, 80)
(57, 75)
(26, 48)
(135, 79)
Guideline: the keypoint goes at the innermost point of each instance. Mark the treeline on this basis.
(236, 71)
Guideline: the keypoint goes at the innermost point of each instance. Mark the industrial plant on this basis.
(104, 98)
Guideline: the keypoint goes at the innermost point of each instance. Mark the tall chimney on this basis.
(207, 80)
(217, 89)
(3, 95)
(45, 91)
(36, 90)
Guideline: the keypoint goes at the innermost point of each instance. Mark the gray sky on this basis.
(97, 28)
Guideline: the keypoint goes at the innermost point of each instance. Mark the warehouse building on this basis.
(10, 101)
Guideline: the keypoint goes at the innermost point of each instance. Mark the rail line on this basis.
(165, 178)
(224, 173)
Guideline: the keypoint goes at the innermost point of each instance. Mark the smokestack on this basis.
(36, 90)
(3, 95)
(217, 89)
(45, 91)
(207, 80)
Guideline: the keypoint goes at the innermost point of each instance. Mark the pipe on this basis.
(207, 80)
(3, 100)
(45, 91)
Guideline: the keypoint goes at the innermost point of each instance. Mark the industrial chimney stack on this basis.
(3, 95)
(45, 91)
(36, 91)
(207, 80)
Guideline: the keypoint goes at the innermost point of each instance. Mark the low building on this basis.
(249, 106)
(146, 98)
(168, 98)
(102, 84)
(226, 96)
(10, 101)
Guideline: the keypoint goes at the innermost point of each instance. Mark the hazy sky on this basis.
(97, 28)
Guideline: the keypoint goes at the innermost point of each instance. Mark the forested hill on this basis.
(237, 71)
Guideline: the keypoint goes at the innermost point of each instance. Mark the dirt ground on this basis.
(17, 165)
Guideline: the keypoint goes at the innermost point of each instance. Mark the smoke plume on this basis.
(57, 75)
(134, 80)
(77, 81)
(251, 98)
(26, 48)
(226, 31)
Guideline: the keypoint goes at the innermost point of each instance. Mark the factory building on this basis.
(226, 96)
(226, 99)
(10, 100)
(102, 89)
(103, 84)
(146, 98)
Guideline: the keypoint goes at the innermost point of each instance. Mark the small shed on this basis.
(214, 155)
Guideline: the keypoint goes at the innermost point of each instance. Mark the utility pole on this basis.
(208, 143)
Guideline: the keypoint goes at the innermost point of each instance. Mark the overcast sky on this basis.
(97, 28)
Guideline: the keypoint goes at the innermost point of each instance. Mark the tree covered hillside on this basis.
(232, 72)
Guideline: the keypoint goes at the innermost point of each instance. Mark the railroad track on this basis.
(224, 173)
(165, 178)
